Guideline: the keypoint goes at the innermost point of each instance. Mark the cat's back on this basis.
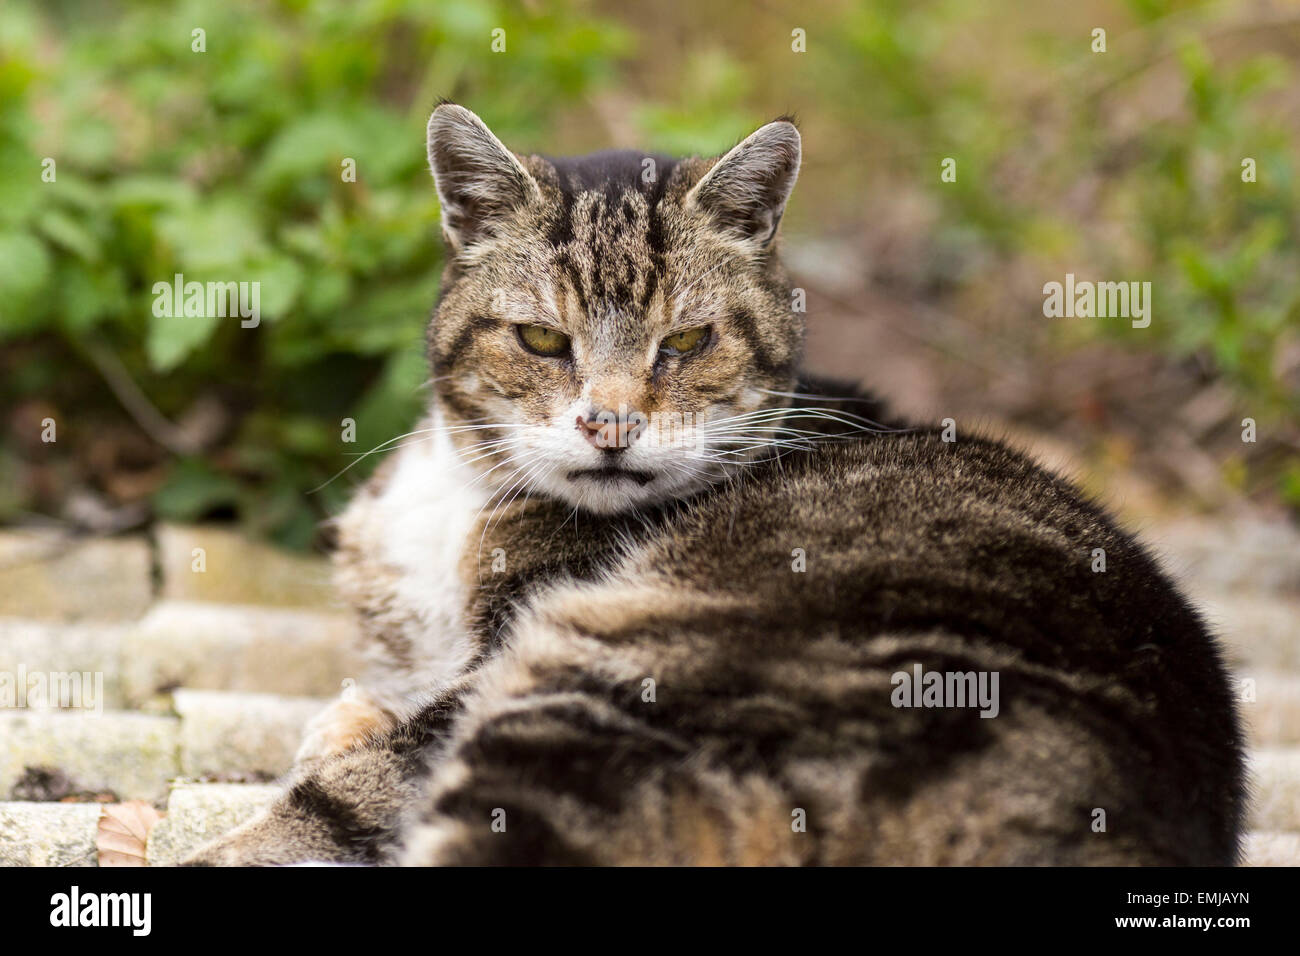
(919, 528)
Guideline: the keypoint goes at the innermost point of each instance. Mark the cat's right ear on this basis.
(479, 181)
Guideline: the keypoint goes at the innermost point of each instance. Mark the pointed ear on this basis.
(479, 181)
(746, 190)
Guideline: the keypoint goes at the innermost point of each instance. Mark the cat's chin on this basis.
(611, 496)
(607, 492)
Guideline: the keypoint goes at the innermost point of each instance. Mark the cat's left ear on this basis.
(746, 190)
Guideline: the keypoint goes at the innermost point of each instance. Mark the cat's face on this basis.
(613, 330)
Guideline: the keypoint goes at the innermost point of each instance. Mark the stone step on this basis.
(47, 755)
(1275, 778)
(1258, 631)
(224, 732)
(1266, 848)
(213, 563)
(48, 834)
(1231, 554)
(230, 647)
(1269, 703)
(50, 754)
(48, 574)
(114, 665)
(80, 660)
(199, 812)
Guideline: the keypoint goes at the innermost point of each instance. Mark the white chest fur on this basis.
(411, 536)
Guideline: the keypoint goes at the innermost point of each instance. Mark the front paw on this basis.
(342, 726)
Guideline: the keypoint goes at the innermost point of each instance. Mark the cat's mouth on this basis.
(612, 474)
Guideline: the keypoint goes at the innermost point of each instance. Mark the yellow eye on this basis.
(543, 341)
(679, 343)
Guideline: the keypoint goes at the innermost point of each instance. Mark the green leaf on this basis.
(86, 296)
(24, 272)
(192, 489)
(173, 337)
(63, 230)
(214, 238)
(150, 191)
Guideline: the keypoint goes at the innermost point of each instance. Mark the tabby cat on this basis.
(637, 592)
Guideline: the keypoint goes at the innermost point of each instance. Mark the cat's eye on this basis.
(680, 343)
(540, 340)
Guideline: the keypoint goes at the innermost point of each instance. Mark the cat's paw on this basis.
(345, 724)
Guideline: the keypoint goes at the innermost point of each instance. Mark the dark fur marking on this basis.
(346, 830)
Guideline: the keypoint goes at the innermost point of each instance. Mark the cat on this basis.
(638, 592)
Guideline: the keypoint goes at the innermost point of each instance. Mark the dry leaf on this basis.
(124, 833)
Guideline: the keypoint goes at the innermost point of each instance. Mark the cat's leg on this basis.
(410, 663)
(571, 781)
(348, 808)
(345, 809)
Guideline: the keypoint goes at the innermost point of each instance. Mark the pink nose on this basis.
(609, 431)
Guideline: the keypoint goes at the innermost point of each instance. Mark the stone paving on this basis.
(195, 657)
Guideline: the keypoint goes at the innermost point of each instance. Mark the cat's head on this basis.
(614, 330)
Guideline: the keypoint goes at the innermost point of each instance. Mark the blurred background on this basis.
(168, 541)
(1122, 165)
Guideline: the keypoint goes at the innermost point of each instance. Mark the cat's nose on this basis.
(610, 431)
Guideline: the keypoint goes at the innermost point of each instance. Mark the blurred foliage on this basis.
(1223, 255)
(225, 165)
